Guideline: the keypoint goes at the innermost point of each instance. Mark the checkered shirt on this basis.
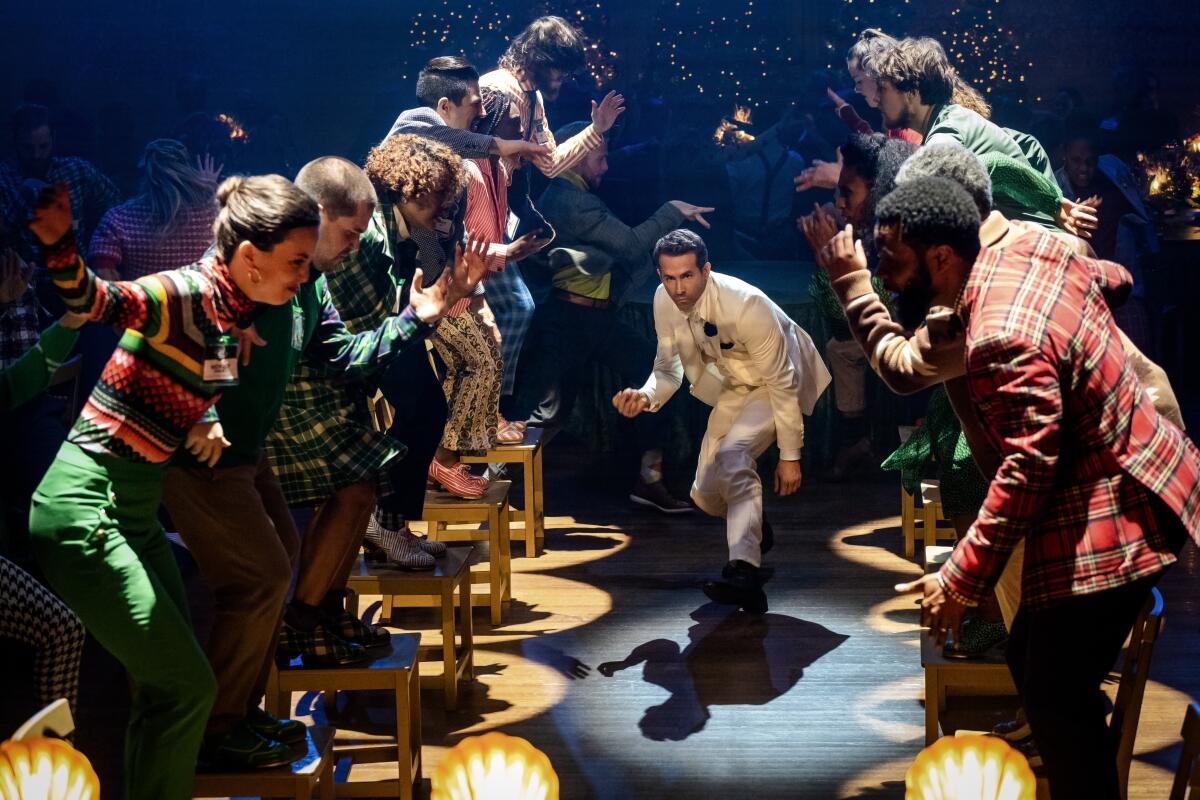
(324, 439)
(128, 234)
(1082, 446)
(92, 194)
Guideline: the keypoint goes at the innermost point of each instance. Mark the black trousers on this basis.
(1058, 656)
(565, 337)
(415, 393)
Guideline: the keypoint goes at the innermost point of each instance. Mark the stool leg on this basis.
(539, 497)
(325, 787)
(495, 587)
(466, 624)
(449, 655)
(414, 721)
(932, 692)
(908, 523)
(506, 551)
(929, 525)
(404, 730)
(530, 510)
(353, 603)
(330, 696)
(386, 609)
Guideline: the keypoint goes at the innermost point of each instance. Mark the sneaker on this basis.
(398, 548)
(458, 480)
(350, 628)
(288, 731)
(241, 750)
(975, 637)
(319, 647)
(655, 495)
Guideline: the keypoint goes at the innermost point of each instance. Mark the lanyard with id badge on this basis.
(221, 360)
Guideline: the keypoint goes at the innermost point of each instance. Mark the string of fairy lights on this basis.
(733, 50)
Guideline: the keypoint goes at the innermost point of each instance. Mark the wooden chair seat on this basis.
(491, 511)
(403, 588)
(313, 771)
(531, 516)
(396, 672)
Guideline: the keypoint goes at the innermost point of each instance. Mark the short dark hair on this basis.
(1081, 126)
(29, 117)
(338, 184)
(546, 43)
(445, 76)
(918, 65)
(933, 211)
(680, 241)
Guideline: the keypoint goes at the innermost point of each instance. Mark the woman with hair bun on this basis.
(94, 520)
(167, 225)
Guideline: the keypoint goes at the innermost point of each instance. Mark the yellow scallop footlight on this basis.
(495, 766)
(970, 767)
(42, 768)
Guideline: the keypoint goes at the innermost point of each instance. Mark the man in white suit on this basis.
(758, 370)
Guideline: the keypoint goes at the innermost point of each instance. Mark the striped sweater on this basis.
(150, 392)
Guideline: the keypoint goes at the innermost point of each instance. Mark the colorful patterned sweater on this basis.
(151, 391)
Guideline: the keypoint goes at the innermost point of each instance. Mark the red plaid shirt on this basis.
(1081, 443)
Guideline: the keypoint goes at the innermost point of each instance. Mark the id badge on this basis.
(221, 361)
(297, 328)
(443, 226)
(539, 132)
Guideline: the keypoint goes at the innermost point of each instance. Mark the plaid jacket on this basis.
(324, 439)
(1081, 443)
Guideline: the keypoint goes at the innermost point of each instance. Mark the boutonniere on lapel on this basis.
(711, 330)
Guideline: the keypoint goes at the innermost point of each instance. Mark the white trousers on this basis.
(740, 428)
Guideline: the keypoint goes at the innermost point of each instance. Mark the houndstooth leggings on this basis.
(30, 614)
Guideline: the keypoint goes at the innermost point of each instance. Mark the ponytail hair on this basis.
(262, 210)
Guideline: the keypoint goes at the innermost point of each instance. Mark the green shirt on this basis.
(983, 137)
(29, 375)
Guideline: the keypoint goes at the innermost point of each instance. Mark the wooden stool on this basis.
(987, 675)
(406, 588)
(443, 509)
(313, 771)
(396, 672)
(931, 515)
(529, 455)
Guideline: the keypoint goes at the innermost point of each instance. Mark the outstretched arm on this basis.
(123, 303)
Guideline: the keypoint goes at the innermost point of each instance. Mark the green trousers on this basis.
(94, 530)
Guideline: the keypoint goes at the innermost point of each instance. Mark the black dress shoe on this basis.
(741, 587)
(768, 537)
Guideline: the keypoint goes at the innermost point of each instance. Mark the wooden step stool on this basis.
(298, 780)
(443, 509)
(528, 454)
(419, 589)
(396, 672)
(986, 675)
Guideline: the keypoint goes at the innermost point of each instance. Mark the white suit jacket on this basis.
(754, 344)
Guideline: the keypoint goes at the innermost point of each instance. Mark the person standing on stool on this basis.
(758, 370)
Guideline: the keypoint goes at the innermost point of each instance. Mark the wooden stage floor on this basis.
(613, 663)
